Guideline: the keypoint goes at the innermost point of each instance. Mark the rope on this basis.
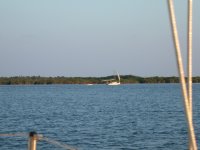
(186, 99)
(39, 137)
(56, 143)
(190, 53)
(189, 44)
(14, 134)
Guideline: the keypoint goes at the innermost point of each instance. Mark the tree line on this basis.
(125, 79)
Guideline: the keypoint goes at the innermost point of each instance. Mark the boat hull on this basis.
(114, 83)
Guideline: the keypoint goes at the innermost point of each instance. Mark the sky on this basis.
(93, 37)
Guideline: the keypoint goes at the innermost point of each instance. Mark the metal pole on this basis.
(32, 143)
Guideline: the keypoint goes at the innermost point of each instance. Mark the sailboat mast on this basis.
(118, 77)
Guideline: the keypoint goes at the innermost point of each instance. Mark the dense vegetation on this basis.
(85, 80)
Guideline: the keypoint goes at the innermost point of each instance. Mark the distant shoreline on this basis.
(125, 79)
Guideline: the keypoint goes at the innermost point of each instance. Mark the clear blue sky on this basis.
(92, 37)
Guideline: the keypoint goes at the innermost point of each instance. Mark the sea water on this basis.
(98, 117)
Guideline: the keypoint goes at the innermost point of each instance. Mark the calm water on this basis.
(139, 116)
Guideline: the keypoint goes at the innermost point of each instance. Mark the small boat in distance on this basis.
(113, 81)
(89, 84)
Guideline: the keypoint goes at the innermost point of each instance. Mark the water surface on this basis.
(98, 117)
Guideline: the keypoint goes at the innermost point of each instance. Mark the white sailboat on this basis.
(113, 81)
